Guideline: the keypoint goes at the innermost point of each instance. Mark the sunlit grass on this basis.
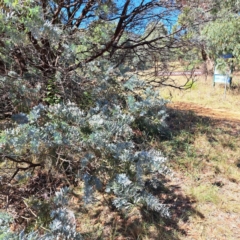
(205, 94)
(205, 193)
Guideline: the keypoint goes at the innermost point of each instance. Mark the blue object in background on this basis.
(220, 77)
(226, 56)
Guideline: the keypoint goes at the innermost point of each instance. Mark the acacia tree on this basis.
(89, 29)
(62, 63)
(63, 66)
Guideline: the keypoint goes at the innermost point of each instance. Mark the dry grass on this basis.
(203, 93)
(204, 150)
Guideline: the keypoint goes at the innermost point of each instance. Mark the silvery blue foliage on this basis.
(109, 127)
(20, 118)
(149, 107)
(152, 160)
(121, 150)
(63, 225)
(36, 112)
(88, 189)
(102, 141)
(123, 180)
(129, 192)
(60, 198)
(68, 110)
(5, 219)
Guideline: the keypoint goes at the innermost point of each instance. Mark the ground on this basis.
(205, 155)
(217, 114)
(216, 193)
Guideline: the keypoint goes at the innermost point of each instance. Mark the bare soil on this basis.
(207, 112)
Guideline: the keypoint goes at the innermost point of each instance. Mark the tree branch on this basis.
(84, 12)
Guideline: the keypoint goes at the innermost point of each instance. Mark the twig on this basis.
(29, 208)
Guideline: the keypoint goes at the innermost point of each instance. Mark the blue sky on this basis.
(167, 19)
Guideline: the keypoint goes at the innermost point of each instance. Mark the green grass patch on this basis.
(205, 193)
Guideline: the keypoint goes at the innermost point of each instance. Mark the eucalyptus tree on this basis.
(222, 34)
(213, 26)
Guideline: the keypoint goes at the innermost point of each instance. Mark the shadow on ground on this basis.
(139, 223)
(187, 121)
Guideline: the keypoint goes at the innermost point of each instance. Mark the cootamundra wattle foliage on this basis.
(76, 107)
(96, 143)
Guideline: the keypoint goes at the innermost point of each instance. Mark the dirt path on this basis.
(207, 112)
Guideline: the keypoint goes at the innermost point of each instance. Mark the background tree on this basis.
(221, 35)
(208, 21)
